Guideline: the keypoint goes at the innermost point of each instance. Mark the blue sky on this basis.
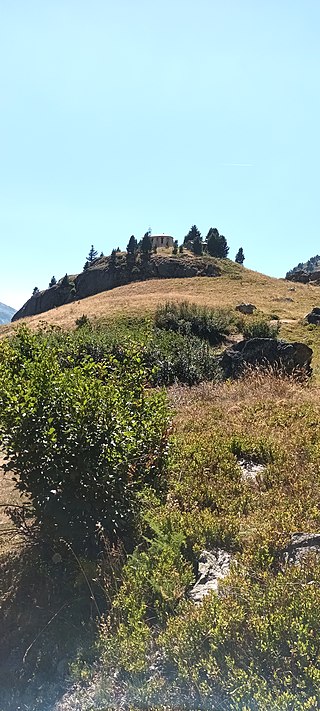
(116, 116)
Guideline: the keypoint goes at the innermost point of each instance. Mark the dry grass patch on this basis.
(235, 285)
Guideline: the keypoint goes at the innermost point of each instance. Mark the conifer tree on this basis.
(92, 254)
(240, 256)
(217, 244)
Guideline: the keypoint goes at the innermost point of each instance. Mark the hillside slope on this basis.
(106, 273)
(236, 284)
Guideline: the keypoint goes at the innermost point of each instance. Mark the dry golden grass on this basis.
(196, 408)
(235, 285)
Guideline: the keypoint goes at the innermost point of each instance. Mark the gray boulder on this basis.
(301, 544)
(246, 308)
(213, 566)
(313, 316)
(264, 352)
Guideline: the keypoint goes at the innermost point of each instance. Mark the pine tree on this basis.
(197, 246)
(65, 280)
(175, 247)
(146, 244)
(35, 291)
(132, 245)
(193, 234)
(52, 282)
(240, 256)
(217, 244)
(92, 254)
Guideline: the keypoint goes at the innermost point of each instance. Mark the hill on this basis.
(6, 313)
(106, 273)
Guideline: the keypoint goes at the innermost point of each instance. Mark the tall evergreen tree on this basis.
(217, 244)
(193, 234)
(240, 256)
(146, 244)
(132, 245)
(92, 254)
(197, 246)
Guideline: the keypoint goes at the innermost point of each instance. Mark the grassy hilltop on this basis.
(128, 450)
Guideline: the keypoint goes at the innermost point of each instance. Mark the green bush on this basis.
(255, 647)
(168, 357)
(259, 328)
(189, 319)
(83, 441)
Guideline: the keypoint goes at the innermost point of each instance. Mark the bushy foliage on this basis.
(259, 327)
(83, 440)
(255, 647)
(187, 318)
(167, 357)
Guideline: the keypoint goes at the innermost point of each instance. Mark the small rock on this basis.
(250, 470)
(213, 566)
(246, 308)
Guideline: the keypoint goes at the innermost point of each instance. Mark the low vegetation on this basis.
(135, 475)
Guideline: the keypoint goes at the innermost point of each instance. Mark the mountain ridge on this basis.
(6, 313)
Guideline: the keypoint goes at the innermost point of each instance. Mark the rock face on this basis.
(109, 272)
(212, 566)
(301, 544)
(305, 277)
(246, 308)
(313, 316)
(262, 352)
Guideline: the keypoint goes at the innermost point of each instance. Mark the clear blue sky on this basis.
(119, 115)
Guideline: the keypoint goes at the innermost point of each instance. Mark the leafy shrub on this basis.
(189, 319)
(255, 647)
(259, 328)
(167, 357)
(83, 441)
(172, 357)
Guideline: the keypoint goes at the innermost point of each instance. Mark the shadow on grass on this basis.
(47, 616)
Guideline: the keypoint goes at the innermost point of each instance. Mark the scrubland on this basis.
(126, 448)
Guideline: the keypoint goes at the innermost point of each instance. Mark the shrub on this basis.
(83, 441)
(188, 318)
(255, 647)
(259, 328)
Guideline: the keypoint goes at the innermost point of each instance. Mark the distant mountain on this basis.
(6, 313)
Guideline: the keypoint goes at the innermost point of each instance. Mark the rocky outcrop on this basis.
(313, 316)
(246, 308)
(264, 352)
(305, 277)
(213, 566)
(109, 272)
(301, 545)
